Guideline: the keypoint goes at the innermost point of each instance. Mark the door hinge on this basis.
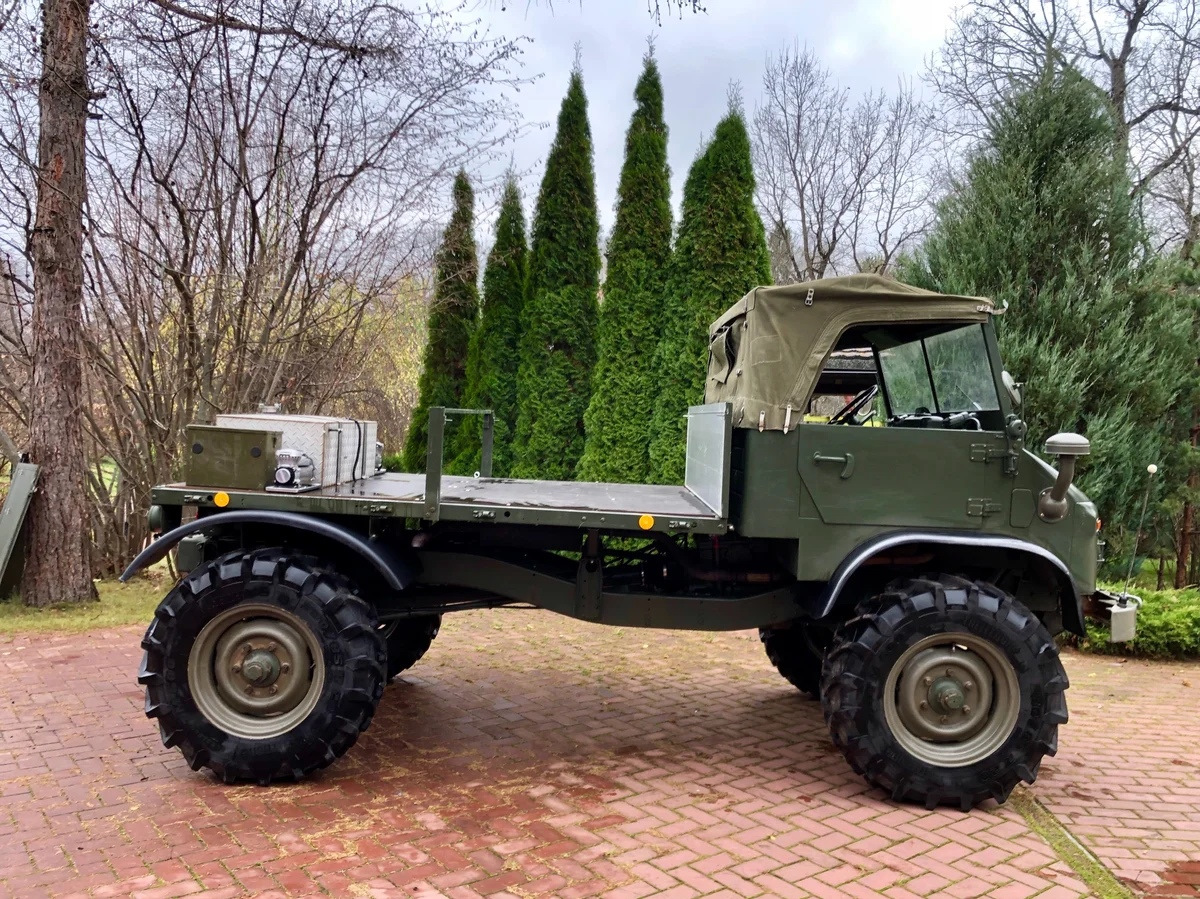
(981, 507)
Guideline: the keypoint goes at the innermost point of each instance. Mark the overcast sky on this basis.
(866, 43)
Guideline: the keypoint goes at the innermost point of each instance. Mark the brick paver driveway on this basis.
(529, 754)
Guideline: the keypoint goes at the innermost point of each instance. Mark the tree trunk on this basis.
(1186, 526)
(57, 567)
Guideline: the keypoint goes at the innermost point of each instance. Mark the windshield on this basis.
(948, 372)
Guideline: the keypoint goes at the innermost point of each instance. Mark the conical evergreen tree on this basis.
(1043, 222)
(559, 322)
(451, 320)
(491, 362)
(624, 384)
(720, 253)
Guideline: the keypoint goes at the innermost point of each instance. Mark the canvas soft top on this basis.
(766, 351)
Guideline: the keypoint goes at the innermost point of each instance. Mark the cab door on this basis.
(934, 456)
(903, 477)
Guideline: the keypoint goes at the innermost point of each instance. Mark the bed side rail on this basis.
(435, 450)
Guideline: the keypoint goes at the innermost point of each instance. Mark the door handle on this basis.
(847, 462)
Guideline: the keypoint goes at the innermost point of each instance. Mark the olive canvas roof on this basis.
(766, 350)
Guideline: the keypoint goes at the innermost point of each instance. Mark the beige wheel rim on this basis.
(256, 671)
(952, 699)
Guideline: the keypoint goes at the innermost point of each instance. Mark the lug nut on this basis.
(249, 688)
(968, 684)
(966, 710)
(285, 668)
(270, 647)
(237, 669)
(247, 648)
(929, 681)
(274, 689)
(944, 719)
(923, 704)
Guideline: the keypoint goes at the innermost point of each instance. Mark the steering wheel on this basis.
(847, 414)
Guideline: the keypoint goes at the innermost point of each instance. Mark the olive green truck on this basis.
(858, 488)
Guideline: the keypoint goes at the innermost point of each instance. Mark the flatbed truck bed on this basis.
(699, 506)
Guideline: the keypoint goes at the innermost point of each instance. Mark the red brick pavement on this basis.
(530, 755)
(1126, 780)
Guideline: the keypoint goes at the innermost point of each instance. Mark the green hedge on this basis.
(1168, 627)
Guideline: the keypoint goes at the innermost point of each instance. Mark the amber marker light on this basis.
(646, 522)
(221, 500)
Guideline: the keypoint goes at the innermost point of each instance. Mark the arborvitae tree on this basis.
(1042, 221)
(617, 420)
(559, 322)
(492, 360)
(451, 320)
(720, 253)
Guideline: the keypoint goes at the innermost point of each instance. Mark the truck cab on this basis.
(874, 419)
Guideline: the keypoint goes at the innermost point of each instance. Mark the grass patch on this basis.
(120, 604)
(1067, 847)
(1168, 627)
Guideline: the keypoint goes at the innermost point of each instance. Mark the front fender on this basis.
(397, 572)
(1072, 604)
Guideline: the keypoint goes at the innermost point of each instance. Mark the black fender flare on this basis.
(397, 571)
(1072, 602)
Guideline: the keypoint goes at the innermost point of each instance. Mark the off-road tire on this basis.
(791, 651)
(867, 647)
(344, 627)
(408, 641)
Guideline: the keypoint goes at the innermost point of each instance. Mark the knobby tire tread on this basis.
(856, 667)
(355, 659)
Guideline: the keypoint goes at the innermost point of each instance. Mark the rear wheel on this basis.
(797, 654)
(408, 639)
(945, 692)
(261, 666)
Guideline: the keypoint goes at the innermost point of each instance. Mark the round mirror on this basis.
(1013, 388)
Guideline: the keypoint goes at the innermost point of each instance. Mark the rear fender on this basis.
(836, 599)
(397, 571)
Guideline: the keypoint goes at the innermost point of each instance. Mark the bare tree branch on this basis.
(843, 183)
(1142, 55)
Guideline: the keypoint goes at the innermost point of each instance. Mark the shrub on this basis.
(1168, 627)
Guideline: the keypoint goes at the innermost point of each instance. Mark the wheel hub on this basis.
(261, 667)
(947, 695)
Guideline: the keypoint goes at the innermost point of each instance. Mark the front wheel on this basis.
(944, 692)
(262, 666)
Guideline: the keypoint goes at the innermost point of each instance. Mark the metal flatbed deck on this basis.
(513, 493)
(631, 507)
(700, 507)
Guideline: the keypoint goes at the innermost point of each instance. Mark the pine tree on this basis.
(624, 384)
(559, 322)
(451, 320)
(720, 253)
(491, 361)
(1042, 221)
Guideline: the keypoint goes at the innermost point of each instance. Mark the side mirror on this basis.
(1012, 388)
(1052, 503)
